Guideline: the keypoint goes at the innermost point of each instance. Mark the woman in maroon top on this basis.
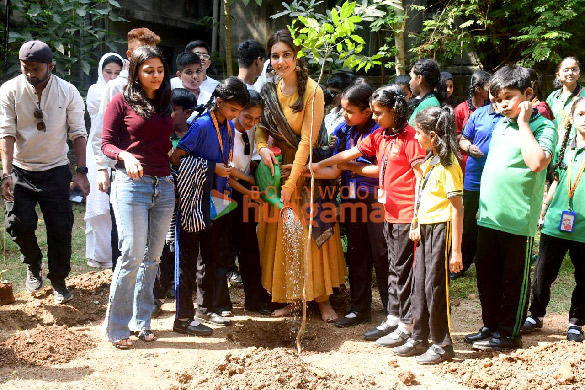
(136, 133)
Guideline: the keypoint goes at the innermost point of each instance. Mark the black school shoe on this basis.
(436, 354)
(191, 327)
(353, 319)
(575, 333)
(379, 331)
(498, 344)
(264, 309)
(531, 324)
(412, 347)
(484, 333)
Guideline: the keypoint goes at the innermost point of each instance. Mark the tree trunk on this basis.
(228, 37)
(399, 41)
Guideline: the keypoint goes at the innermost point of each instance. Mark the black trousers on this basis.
(551, 253)
(165, 273)
(430, 296)
(50, 190)
(366, 248)
(503, 279)
(469, 238)
(188, 275)
(401, 259)
(244, 240)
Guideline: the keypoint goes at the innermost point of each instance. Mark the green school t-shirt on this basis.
(561, 108)
(511, 194)
(560, 201)
(430, 100)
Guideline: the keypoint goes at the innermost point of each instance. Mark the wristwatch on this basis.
(82, 170)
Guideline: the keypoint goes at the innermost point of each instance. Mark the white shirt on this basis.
(333, 119)
(112, 88)
(63, 115)
(264, 77)
(209, 85)
(203, 95)
(241, 160)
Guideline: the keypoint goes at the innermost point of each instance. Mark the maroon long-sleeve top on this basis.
(146, 139)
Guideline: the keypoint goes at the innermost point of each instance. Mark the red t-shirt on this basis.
(396, 155)
(462, 113)
(146, 139)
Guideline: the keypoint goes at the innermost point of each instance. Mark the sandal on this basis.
(147, 335)
(123, 344)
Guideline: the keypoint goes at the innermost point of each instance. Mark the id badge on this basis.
(352, 189)
(381, 196)
(567, 221)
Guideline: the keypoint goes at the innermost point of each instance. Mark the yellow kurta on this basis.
(326, 265)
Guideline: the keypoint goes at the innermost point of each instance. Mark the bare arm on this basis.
(236, 173)
(325, 173)
(456, 261)
(534, 156)
(7, 154)
(341, 157)
(80, 180)
(177, 155)
(548, 198)
(367, 170)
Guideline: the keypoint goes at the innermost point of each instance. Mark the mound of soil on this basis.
(44, 346)
(559, 365)
(90, 297)
(260, 368)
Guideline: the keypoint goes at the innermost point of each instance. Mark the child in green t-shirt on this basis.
(426, 83)
(563, 212)
(512, 187)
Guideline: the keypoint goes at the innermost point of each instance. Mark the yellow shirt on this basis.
(300, 123)
(444, 183)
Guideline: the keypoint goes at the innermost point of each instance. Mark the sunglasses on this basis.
(38, 114)
(246, 140)
(203, 55)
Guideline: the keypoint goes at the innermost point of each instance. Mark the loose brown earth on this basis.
(45, 346)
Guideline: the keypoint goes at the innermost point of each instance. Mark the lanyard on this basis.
(385, 157)
(435, 160)
(220, 140)
(571, 189)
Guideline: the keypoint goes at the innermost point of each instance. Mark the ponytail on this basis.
(441, 121)
(302, 77)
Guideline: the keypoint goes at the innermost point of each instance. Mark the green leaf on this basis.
(358, 39)
(85, 67)
(59, 47)
(115, 3)
(81, 11)
(335, 16)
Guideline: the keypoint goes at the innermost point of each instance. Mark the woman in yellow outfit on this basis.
(287, 119)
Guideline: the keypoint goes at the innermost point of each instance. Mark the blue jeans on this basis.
(143, 210)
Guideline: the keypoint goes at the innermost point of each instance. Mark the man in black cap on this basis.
(38, 111)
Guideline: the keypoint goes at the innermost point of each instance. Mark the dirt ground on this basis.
(45, 346)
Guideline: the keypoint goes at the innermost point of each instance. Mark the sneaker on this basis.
(61, 293)
(498, 344)
(531, 324)
(34, 280)
(436, 354)
(575, 333)
(353, 319)
(226, 313)
(411, 347)
(234, 278)
(484, 333)
(212, 318)
(394, 339)
(380, 331)
(191, 327)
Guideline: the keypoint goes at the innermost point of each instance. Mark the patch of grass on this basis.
(11, 260)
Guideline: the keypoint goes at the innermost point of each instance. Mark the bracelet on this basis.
(5, 175)
(469, 147)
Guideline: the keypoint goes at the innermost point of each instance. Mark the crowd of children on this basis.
(424, 191)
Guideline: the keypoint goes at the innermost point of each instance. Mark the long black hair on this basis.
(430, 70)
(392, 97)
(566, 136)
(479, 79)
(231, 90)
(358, 95)
(441, 121)
(133, 93)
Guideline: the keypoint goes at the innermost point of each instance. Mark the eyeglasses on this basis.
(246, 140)
(38, 114)
(205, 56)
(571, 70)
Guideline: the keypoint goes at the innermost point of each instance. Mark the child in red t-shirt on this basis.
(398, 155)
